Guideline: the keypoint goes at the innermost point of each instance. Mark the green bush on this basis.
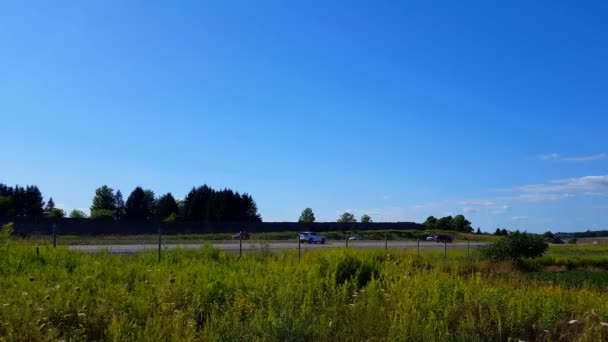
(77, 214)
(102, 214)
(572, 241)
(56, 213)
(353, 269)
(516, 246)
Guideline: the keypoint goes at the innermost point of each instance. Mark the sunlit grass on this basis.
(329, 295)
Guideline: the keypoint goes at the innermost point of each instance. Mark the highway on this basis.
(276, 245)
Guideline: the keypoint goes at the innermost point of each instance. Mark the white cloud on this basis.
(558, 157)
(581, 184)
(541, 197)
(551, 156)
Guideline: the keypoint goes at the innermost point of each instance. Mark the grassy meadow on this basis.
(328, 295)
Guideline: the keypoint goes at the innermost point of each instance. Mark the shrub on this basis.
(572, 241)
(102, 214)
(56, 213)
(77, 214)
(516, 246)
(353, 269)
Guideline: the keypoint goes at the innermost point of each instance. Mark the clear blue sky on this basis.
(497, 110)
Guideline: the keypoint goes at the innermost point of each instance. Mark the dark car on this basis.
(440, 238)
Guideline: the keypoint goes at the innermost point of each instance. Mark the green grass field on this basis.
(346, 295)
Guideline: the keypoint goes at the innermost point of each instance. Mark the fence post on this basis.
(299, 248)
(347, 241)
(418, 246)
(37, 252)
(240, 244)
(159, 243)
(445, 250)
(386, 242)
(54, 235)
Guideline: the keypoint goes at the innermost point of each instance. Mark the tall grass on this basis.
(329, 295)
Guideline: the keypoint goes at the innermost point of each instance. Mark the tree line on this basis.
(307, 216)
(21, 201)
(457, 223)
(201, 204)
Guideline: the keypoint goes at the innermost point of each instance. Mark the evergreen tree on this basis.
(251, 209)
(165, 206)
(50, 205)
(104, 203)
(119, 203)
(140, 204)
(196, 203)
(478, 232)
(33, 202)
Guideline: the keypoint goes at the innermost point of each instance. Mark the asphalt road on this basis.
(248, 245)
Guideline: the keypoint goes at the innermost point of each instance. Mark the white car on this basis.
(312, 237)
(355, 238)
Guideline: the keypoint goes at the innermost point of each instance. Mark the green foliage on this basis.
(501, 232)
(548, 235)
(478, 232)
(572, 241)
(307, 216)
(6, 206)
(206, 204)
(75, 213)
(366, 219)
(448, 223)
(56, 213)
(6, 233)
(103, 202)
(19, 201)
(353, 269)
(140, 204)
(461, 224)
(50, 205)
(207, 295)
(166, 206)
(516, 246)
(119, 204)
(102, 214)
(347, 218)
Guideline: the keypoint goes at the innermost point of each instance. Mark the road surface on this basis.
(248, 245)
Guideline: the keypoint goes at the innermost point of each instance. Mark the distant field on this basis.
(330, 295)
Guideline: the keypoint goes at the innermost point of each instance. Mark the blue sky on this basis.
(397, 109)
